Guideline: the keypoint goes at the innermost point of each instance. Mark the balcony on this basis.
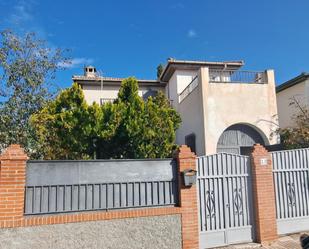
(235, 76)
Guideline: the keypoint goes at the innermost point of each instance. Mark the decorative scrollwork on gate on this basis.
(210, 204)
(238, 201)
(291, 194)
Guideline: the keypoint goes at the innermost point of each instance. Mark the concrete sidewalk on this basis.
(285, 242)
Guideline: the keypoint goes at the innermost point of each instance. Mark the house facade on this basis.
(295, 90)
(223, 109)
(105, 89)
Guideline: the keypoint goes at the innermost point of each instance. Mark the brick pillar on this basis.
(263, 195)
(188, 200)
(12, 185)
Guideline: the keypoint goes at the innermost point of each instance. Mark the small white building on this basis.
(294, 90)
(223, 109)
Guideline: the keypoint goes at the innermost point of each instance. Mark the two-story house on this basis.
(223, 109)
(295, 91)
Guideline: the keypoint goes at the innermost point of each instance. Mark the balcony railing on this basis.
(106, 100)
(192, 85)
(235, 76)
(110, 100)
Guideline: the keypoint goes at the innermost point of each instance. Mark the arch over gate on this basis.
(238, 139)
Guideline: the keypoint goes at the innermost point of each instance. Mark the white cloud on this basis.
(21, 18)
(178, 5)
(22, 12)
(192, 33)
(75, 62)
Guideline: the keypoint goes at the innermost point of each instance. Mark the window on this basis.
(190, 142)
(149, 92)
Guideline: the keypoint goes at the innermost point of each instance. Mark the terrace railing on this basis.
(235, 76)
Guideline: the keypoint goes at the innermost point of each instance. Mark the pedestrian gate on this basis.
(224, 193)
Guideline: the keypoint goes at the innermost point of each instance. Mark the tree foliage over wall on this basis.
(297, 136)
(27, 70)
(130, 127)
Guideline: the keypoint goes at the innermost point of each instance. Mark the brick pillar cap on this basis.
(259, 149)
(14, 152)
(184, 152)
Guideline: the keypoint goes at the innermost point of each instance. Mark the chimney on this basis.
(90, 71)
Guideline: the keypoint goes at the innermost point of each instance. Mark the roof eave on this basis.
(95, 81)
(168, 70)
(294, 81)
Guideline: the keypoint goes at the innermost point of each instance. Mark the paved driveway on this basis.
(285, 242)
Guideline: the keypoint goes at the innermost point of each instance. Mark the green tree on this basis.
(67, 128)
(158, 134)
(159, 70)
(129, 108)
(297, 136)
(27, 69)
(144, 129)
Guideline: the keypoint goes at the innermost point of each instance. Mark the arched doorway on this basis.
(239, 139)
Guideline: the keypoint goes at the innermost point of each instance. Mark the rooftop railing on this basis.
(235, 76)
(192, 85)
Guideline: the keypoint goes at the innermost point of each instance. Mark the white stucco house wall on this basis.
(223, 109)
(296, 89)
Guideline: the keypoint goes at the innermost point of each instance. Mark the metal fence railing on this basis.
(192, 85)
(235, 76)
(100, 196)
(291, 182)
(60, 186)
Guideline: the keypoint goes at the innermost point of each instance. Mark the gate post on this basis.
(263, 195)
(187, 199)
(12, 185)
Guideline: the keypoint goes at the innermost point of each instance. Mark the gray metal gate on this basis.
(224, 193)
(291, 180)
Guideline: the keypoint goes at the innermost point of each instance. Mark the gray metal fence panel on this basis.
(71, 186)
(224, 191)
(291, 181)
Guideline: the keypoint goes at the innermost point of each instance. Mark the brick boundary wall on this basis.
(88, 216)
(13, 180)
(263, 195)
(12, 193)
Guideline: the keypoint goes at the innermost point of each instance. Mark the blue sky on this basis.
(130, 38)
